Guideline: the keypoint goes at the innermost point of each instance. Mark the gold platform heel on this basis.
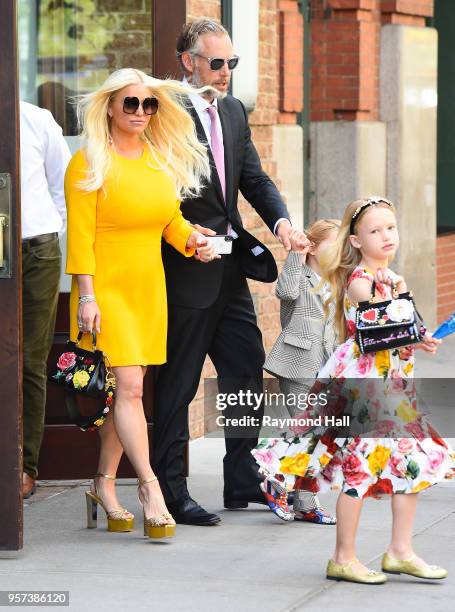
(117, 520)
(160, 526)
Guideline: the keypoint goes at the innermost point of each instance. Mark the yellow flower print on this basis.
(91, 368)
(356, 350)
(295, 465)
(347, 303)
(324, 459)
(382, 362)
(422, 485)
(408, 368)
(355, 394)
(406, 412)
(80, 379)
(378, 459)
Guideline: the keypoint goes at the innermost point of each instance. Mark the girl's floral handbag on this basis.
(390, 324)
(86, 373)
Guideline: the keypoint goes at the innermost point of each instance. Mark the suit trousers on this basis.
(40, 289)
(227, 331)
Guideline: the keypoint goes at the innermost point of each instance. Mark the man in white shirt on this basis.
(44, 156)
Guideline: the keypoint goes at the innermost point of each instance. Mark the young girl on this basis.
(413, 457)
(304, 345)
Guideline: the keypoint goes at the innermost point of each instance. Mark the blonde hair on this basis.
(339, 261)
(170, 135)
(320, 230)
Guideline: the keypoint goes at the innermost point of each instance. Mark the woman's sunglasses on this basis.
(132, 103)
(216, 63)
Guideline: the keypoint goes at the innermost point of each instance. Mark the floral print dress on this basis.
(394, 450)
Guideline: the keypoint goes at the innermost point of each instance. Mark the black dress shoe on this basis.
(237, 499)
(189, 512)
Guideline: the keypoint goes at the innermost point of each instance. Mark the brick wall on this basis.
(262, 120)
(345, 46)
(345, 60)
(203, 8)
(445, 271)
(290, 36)
(406, 12)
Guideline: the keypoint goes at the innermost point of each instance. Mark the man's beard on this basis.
(196, 82)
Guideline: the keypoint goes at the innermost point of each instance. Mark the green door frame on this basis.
(444, 22)
(304, 116)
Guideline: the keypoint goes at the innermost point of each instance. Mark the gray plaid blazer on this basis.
(307, 339)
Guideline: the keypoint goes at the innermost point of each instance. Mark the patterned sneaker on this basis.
(276, 498)
(308, 509)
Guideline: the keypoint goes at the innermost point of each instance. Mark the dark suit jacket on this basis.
(194, 284)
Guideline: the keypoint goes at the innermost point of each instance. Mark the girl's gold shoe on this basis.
(336, 571)
(390, 565)
(117, 520)
(160, 526)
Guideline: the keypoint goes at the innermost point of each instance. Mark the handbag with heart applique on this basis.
(390, 324)
(84, 373)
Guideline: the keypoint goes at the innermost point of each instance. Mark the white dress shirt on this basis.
(44, 157)
(201, 105)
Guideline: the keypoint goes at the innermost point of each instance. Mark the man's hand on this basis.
(205, 251)
(292, 239)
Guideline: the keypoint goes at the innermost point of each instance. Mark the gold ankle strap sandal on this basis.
(118, 520)
(158, 526)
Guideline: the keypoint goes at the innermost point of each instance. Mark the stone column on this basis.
(348, 161)
(408, 101)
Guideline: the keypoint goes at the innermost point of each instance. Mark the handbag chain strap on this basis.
(110, 377)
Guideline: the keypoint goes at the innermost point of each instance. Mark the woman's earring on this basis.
(111, 142)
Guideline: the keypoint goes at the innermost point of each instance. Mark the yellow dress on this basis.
(114, 235)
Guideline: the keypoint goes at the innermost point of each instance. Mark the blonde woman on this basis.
(123, 190)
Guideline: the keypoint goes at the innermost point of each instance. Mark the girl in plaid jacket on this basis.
(304, 345)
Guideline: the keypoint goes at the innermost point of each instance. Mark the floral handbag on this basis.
(390, 324)
(87, 373)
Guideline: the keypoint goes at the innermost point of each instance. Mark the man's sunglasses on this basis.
(131, 104)
(216, 63)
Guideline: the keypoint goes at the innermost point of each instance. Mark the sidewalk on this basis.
(251, 562)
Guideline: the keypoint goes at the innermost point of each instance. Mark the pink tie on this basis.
(217, 148)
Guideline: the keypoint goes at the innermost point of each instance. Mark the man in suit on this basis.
(210, 307)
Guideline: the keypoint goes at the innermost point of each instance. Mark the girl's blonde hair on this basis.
(170, 135)
(340, 259)
(320, 230)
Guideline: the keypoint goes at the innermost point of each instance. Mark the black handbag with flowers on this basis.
(390, 324)
(85, 373)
